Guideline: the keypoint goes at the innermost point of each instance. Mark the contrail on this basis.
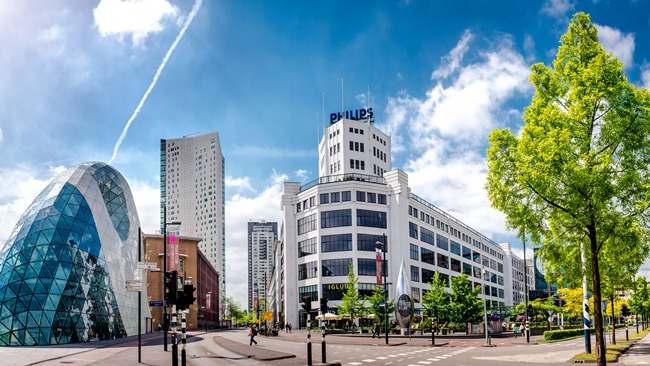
(195, 9)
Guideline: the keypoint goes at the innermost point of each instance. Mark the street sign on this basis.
(268, 315)
(147, 265)
(134, 285)
(155, 303)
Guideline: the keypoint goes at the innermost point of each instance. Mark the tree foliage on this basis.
(375, 300)
(466, 307)
(575, 177)
(436, 298)
(352, 303)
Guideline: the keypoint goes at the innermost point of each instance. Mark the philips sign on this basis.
(357, 114)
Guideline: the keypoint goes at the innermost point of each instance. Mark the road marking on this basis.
(355, 363)
(433, 359)
(383, 358)
(368, 360)
(424, 362)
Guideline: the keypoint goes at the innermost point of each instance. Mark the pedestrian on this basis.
(375, 331)
(515, 329)
(286, 328)
(289, 327)
(252, 332)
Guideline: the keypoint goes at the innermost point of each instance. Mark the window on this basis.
(467, 253)
(312, 201)
(361, 196)
(368, 267)
(335, 218)
(500, 267)
(336, 243)
(307, 270)
(415, 274)
(351, 163)
(335, 267)
(427, 275)
(455, 265)
(324, 198)
(455, 248)
(334, 291)
(366, 242)
(477, 272)
(307, 224)
(414, 252)
(428, 256)
(363, 165)
(370, 218)
(427, 236)
(335, 197)
(372, 197)
(351, 146)
(346, 196)
(413, 230)
(381, 199)
(298, 208)
(442, 242)
(443, 261)
(307, 247)
(311, 291)
(416, 294)
(467, 269)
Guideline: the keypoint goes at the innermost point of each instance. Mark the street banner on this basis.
(172, 249)
(379, 268)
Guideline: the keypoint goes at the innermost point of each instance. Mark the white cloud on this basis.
(19, 186)
(529, 48)
(137, 18)
(447, 130)
(620, 44)
(557, 8)
(452, 61)
(239, 210)
(239, 183)
(147, 202)
(1, 136)
(645, 75)
(302, 173)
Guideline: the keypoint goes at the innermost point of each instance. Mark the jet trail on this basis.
(195, 9)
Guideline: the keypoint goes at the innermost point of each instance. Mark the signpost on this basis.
(148, 265)
(134, 285)
(156, 303)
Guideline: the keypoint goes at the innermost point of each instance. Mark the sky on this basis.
(439, 75)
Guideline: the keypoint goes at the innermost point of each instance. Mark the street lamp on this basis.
(176, 223)
(485, 308)
(380, 246)
(207, 295)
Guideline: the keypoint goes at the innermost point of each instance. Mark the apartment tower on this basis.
(192, 191)
(261, 237)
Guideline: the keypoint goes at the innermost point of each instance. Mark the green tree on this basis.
(375, 300)
(571, 301)
(466, 307)
(233, 310)
(640, 298)
(436, 298)
(352, 303)
(575, 177)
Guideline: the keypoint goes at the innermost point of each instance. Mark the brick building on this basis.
(191, 265)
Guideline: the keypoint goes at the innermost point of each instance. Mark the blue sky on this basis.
(441, 76)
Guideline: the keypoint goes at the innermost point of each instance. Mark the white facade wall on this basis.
(192, 188)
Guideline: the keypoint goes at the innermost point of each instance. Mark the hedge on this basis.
(554, 335)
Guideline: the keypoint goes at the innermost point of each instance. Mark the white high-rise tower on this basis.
(192, 190)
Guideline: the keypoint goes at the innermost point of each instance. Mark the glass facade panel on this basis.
(370, 218)
(335, 218)
(336, 243)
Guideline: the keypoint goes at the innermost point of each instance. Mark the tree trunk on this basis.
(611, 300)
(598, 311)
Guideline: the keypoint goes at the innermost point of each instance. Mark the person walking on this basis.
(375, 331)
(252, 332)
(515, 329)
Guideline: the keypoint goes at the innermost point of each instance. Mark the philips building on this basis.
(64, 267)
(359, 200)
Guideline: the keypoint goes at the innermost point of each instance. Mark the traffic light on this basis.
(625, 311)
(171, 287)
(323, 304)
(306, 303)
(529, 310)
(186, 298)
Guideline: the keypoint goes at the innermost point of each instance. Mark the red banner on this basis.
(172, 250)
(208, 303)
(379, 268)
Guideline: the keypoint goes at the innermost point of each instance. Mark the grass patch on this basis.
(613, 351)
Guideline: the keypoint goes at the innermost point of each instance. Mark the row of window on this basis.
(356, 130)
(340, 243)
(340, 218)
(445, 244)
(356, 146)
(378, 154)
(429, 257)
(357, 164)
(377, 138)
(340, 267)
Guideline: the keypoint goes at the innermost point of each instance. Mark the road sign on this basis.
(134, 285)
(155, 303)
(147, 265)
(268, 315)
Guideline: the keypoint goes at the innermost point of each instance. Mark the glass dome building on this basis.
(64, 267)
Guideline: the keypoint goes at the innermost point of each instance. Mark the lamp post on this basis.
(487, 341)
(380, 246)
(207, 295)
(526, 293)
(165, 223)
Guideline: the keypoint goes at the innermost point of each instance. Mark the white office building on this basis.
(262, 236)
(359, 200)
(192, 191)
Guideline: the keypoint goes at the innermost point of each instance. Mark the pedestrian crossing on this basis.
(427, 356)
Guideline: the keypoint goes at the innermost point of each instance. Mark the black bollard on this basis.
(323, 350)
(308, 347)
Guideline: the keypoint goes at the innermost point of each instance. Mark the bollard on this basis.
(184, 336)
(174, 343)
(627, 338)
(323, 350)
(308, 347)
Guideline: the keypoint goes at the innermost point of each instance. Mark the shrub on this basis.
(554, 335)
